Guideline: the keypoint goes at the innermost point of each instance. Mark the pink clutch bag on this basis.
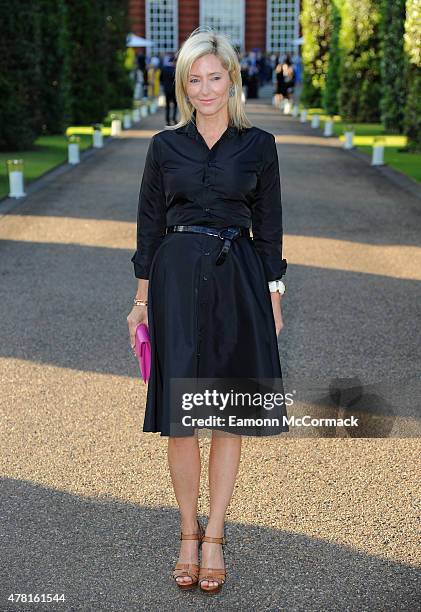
(143, 350)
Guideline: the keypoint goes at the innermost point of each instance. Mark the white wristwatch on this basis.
(277, 285)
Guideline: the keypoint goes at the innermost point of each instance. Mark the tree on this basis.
(360, 88)
(392, 65)
(20, 77)
(316, 27)
(119, 84)
(330, 94)
(412, 37)
(88, 60)
(55, 101)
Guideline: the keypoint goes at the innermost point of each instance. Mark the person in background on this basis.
(296, 63)
(252, 76)
(168, 84)
(289, 76)
(244, 75)
(273, 61)
(154, 77)
(268, 69)
(260, 63)
(142, 67)
(281, 87)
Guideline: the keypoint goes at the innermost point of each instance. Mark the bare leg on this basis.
(184, 464)
(224, 460)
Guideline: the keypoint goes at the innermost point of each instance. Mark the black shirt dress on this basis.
(207, 320)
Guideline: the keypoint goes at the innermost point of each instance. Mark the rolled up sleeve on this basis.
(267, 215)
(151, 214)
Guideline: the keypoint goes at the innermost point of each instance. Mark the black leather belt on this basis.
(227, 234)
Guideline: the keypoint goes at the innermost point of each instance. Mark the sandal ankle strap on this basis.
(189, 536)
(193, 536)
(214, 540)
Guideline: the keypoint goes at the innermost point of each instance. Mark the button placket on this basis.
(203, 290)
(205, 263)
(207, 180)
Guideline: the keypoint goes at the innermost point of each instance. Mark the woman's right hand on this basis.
(137, 315)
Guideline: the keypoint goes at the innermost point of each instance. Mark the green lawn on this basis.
(47, 153)
(407, 163)
(364, 134)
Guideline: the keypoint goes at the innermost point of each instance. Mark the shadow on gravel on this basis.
(343, 346)
(107, 555)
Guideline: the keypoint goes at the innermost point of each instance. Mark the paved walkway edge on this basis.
(8, 204)
(395, 176)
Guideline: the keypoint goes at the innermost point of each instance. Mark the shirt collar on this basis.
(191, 130)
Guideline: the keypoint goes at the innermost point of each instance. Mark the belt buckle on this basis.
(232, 231)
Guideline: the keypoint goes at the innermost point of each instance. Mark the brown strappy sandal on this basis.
(189, 569)
(210, 573)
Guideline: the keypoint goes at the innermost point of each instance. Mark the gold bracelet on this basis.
(140, 302)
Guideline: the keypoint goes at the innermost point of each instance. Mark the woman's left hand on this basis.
(277, 311)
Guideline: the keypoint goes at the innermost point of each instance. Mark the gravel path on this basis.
(320, 520)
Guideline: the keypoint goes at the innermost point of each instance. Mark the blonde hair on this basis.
(202, 42)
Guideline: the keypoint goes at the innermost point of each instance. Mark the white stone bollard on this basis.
(349, 139)
(287, 107)
(315, 121)
(378, 152)
(98, 140)
(127, 121)
(15, 170)
(137, 91)
(136, 115)
(115, 127)
(328, 129)
(303, 116)
(143, 110)
(73, 150)
(295, 110)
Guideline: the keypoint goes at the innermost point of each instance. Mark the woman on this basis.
(206, 297)
(154, 75)
(281, 90)
(289, 76)
(168, 83)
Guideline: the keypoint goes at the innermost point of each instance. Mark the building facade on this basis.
(268, 25)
